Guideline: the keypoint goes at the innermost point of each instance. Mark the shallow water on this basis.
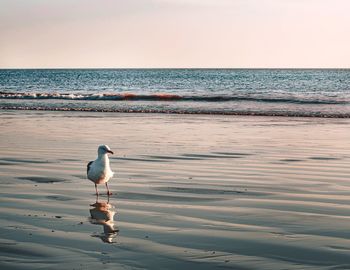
(192, 192)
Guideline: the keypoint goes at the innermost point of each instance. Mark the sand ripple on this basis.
(246, 195)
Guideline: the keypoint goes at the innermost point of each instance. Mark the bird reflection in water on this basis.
(103, 213)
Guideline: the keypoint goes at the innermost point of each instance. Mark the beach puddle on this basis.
(232, 154)
(103, 213)
(208, 191)
(176, 157)
(210, 156)
(18, 160)
(137, 159)
(42, 180)
(6, 163)
(325, 158)
(60, 198)
(291, 160)
(198, 190)
(165, 197)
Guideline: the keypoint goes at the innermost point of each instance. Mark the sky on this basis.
(174, 34)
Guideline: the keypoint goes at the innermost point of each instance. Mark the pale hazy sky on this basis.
(174, 33)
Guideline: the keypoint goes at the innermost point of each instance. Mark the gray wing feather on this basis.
(88, 167)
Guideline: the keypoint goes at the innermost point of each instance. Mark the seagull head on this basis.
(104, 149)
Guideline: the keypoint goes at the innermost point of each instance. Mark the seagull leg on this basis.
(108, 192)
(96, 189)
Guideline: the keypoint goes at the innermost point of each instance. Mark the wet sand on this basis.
(190, 192)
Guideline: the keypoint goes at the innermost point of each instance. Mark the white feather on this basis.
(99, 171)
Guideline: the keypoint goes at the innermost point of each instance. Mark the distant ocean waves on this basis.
(258, 105)
(273, 92)
(173, 97)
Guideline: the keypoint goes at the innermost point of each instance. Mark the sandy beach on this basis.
(190, 192)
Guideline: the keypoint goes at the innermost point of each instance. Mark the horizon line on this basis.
(168, 68)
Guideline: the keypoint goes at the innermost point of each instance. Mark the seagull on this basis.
(99, 171)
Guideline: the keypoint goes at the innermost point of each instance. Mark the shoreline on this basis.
(145, 111)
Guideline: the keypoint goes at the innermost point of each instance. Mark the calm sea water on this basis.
(323, 93)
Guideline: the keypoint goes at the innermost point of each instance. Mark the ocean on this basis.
(269, 92)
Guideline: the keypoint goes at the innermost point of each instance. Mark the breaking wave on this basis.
(173, 97)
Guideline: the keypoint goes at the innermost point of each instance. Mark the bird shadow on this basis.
(102, 213)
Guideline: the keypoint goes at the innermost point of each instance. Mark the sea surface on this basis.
(281, 92)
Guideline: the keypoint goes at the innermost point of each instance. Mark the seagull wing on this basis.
(88, 167)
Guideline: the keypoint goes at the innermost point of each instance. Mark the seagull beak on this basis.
(109, 151)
